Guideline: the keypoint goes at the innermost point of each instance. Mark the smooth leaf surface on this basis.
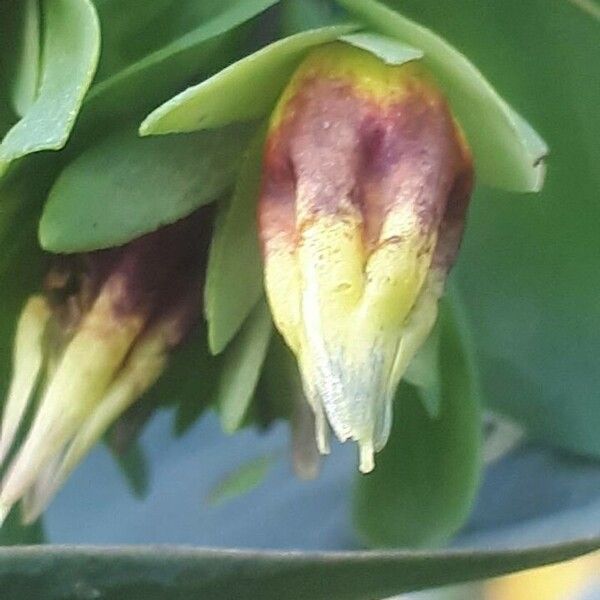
(241, 367)
(528, 268)
(181, 573)
(21, 262)
(199, 38)
(8, 57)
(388, 49)
(508, 154)
(136, 29)
(231, 95)
(70, 54)
(134, 466)
(245, 478)
(424, 374)
(426, 478)
(234, 277)
(25, 78)
(13, 533)
(125, 186)
(190, 382)
(300, 15)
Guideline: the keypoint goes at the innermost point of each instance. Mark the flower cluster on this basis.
(347, 213)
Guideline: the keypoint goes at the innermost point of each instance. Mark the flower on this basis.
(366, 182)
(87, 348)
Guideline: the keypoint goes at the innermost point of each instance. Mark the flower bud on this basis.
(92, 345)
(366, 182)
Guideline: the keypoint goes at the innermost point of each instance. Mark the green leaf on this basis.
(427, 476)
(188, 385)
(126, 186)
(388, 49)
(231, 95)
(300, 15)
(167, 573)
(25, 79)
(528, 269)
(508, 153)
(134, 466)
(13, 533)
(241, 481)
(280, 385)
(21, 270)
(22, 264)
(241, 368)
(199, 38)
(424, 374)
(70, 54)
(234, 278)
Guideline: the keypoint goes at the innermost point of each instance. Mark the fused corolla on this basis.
(89, 346)
(366, 183)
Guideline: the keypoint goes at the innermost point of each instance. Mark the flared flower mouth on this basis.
(366, 183)
(89, 346)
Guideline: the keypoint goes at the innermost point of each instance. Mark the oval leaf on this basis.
(70, 54)
(388, 49)
(24, 85)
(306, 14)
(126, 186)
(424, 374)
(426, 478)
(234, 278)
(165, 573)
(529, 270)
(231, 95)
(207, 40)
(508, 153)
(241, 481)
(241, 368)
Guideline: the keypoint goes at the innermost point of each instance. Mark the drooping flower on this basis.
(366, 182)
(88, 347)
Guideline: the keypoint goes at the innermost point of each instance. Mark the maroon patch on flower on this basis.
(338, 150)
(150, 277)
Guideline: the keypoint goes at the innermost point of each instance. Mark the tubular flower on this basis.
(89, 346)
(366, 182)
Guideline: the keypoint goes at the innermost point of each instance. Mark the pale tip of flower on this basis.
(27, 363)
(366, 453)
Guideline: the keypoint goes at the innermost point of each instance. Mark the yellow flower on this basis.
(89, 346)
(366, 182)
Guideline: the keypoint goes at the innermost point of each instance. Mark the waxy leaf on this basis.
(172, 573)
(135, 470)
(424, 373)
(125, 186)
(21, 270)
(389, 50)
(70, 54)
(25, 79)
(427, 476)
(188, 384)
(199, 38)
(231, 95)
(234, 278)
(300, 15)
(14, 533)
(528, 269)
(22, 193)
(244, 479)
(241, 368)
(508, 153)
